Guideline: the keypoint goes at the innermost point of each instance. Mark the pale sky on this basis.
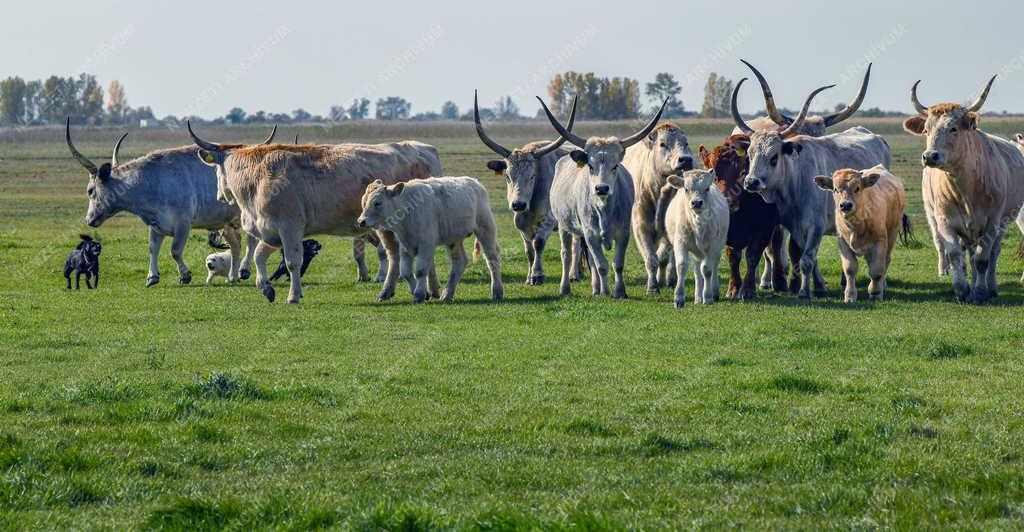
(189, 57)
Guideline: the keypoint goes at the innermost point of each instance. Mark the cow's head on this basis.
(600, 158)
(670, 149)
(520, 168)
(381, 204)
(694, 186)
(730, 163)
(104, 189)
(815, 125)
(770, 151)
(846, 186)
(214, 155)
(943, 126)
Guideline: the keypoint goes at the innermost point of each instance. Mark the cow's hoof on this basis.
(416, 300)
(150, 281)
(564, 291)
(185, 278)
(620, 294)
(385, 295)
(244, 274)
(293, 300)
(269, 293)
(877, 298)
(379, 279)
(498, 294)
(363, 277)
(766, 286)
(821, 293)
(680, 303)
(804, 294)
(535, 280)
(748, 296)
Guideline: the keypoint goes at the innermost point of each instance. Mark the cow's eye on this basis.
(774, 160)
(663, 145)
(376, 204)
(952, 130)
(92, 192)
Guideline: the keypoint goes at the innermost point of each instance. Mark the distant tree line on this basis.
(50, 101)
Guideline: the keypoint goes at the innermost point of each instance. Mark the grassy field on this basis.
(204, 406)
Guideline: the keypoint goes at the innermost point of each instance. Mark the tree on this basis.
(506, 109)
(666, 86)
(12, 101)
(301, 115)
(337, 113)
(393, 108)
(449, 111)
(717, 94)
(235, 116)
(89, 98)
(359, 110)
(598, 98)
(117, 104)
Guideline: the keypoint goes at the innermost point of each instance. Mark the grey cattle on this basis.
(663, 152)
(973, 189)
(592, 198)
(528, 173)
(426, 213)
(172, 192)
(782, 171)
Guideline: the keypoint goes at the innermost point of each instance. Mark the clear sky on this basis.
(204, 57)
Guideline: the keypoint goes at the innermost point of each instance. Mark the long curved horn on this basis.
(566, 134)
(83, 160)
(117, 148)
(555, 144)
(740, 122)
(208, 146)
(921, 109)
(799, 122)
(639, 135)
(848, 111)
(494, 146)
(271, 137)
(976, 106)
(769, 99)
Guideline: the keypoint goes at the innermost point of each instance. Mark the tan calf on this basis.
(869, 216)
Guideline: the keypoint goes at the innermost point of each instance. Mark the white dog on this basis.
(218, 265)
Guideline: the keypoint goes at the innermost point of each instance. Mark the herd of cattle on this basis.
(775, 178)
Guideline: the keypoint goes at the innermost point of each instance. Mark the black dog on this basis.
(310, 249)
(84, 259)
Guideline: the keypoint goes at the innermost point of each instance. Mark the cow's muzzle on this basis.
(362, 222)
(846, 207)
(685, 163)
(753, 184)
(602, 190)
(931, 158)
(518, 206)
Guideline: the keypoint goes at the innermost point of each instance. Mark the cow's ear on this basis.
(103, 172)
(579, 157)
(651, 137)
(705, 157)
(497, 166)
(1020, 138)
(676, 181)
(971, 120)
(914, 125)
(824, 182)
(790, 148)
(396, 189)
(210, 158)
(869, 180)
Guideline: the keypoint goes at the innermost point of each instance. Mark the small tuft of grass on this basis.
(795, 384)
(209, 434)
(657, 445)
(924, 432)
(589, 427)
(226, 386)
(724, 362)
(947, 350)
(907, 404)
(193, 514)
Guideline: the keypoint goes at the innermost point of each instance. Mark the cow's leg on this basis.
(997, 250)
(579, 259)
(433, 284)
(291, 248)
(682, 259)
(405, 267)
(735, 255)
(260, 255)
(850, 267)
(178, 242)
(457, 253)
(983, 263)
(698, 281)
(937, 240)
(244, 269)
(820, 288)
(487, 237)
(234, 241)
(539, 243)
(155, 241)
(795, 252)
(422, 264)
(776, 262)
(618, 263)
(359, 254)
(755, 250)
(648, 247)
(1020, 225)
(598, 264)
(709, 270)
(666, 265)
(877, 266)
(528, 248)
(390, 245)
(568, 253)
(808, 263)
(382, 259)
(957, 262)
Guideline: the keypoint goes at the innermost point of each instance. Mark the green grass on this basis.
(192, 407)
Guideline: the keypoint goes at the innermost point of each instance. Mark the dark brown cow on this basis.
(752, 223)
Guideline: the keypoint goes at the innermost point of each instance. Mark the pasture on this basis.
(204, 406)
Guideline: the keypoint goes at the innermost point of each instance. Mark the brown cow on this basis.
(753, 223)
(869, 217)
(287, 192)
(973, 189)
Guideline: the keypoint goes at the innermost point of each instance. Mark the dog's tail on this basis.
(907, 237)
(214, 241)
(85, 238)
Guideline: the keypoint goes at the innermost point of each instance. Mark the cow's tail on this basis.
(667, 193)
(214, 241)
(477, 250)
(907, 237)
